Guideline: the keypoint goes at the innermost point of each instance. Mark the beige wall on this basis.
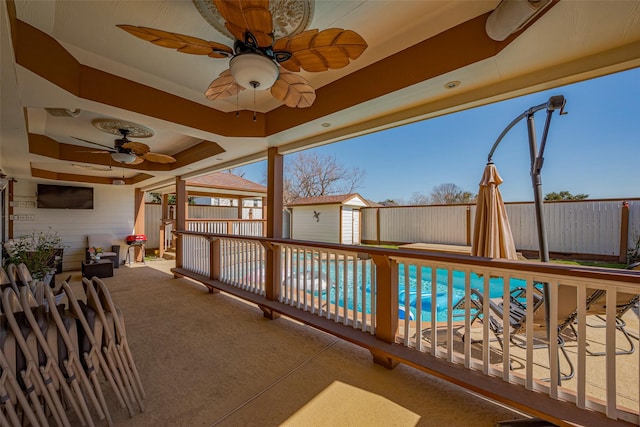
(112, 213)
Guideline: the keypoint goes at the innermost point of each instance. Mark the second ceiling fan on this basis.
(131, 152)
(258, 59)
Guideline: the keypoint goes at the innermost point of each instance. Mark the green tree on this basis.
(565, 195)
(157, 198)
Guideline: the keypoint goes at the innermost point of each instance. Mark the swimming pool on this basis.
(341, 292)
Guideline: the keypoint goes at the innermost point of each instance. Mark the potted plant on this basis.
(41, 252)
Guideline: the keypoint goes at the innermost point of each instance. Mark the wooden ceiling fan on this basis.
(260, 61)
(131, 152)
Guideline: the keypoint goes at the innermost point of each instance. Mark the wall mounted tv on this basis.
(64, 197)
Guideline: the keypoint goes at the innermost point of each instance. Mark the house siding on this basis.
(306, 227)
(113, 211)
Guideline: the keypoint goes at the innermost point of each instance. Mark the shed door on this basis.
(355, 228)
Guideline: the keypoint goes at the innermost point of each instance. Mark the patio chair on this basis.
(13, 397)
(69, 354)
(30, 365)
(5, 281)
(59, 358)
(120, 334)
(566, 315)
(12, 276)
(106, 242)
(114, 352)
(89, 342)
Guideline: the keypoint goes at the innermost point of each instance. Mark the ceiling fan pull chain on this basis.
(254, 85)
(237, 104)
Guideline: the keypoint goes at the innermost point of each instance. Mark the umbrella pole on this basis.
(537, 160)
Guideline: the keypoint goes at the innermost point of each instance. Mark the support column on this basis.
(164, 206)
(181, 216)
(239, 208)
(386, 306)
(274, 224)
(624, 232)
(138, 224)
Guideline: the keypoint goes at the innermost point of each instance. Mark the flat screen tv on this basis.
(64, 197)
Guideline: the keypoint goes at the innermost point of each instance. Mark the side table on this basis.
(101, 268)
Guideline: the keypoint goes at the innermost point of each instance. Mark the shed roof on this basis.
(336, 199)
(226, 181)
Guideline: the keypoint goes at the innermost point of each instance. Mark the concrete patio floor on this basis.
(214, 360)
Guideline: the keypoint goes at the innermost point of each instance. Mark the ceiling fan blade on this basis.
(138, 148)
(223, 87)
(248, 15)
(180, 42)
(111, 149)
(314, 50)
(159, 158)
(293, 90)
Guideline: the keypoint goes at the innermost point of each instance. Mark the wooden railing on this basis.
(236, 227)
(384, 300)
(166, 239)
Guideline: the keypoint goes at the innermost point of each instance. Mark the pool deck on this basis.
(215, 360)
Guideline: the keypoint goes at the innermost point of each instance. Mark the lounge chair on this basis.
(566, 315)
(624, 303)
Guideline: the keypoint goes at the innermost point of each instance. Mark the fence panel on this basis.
(634, 223)
(433, 224)
(152, 218)
(578, 227)
(369, 224)
(218, 212)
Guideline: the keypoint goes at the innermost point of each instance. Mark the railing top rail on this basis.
(224, 220)
(571, 271)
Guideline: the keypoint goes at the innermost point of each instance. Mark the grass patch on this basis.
(381, 246)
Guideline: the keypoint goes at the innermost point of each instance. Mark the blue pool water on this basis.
(336, 292)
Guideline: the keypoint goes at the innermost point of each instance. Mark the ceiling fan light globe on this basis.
(251, 68)
(125, 158)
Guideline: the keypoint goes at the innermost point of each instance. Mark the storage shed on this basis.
(330, 219)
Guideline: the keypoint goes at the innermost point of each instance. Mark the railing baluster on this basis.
(610, 357)
(486, 321)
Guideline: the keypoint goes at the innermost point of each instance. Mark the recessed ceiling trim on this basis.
(462, 45)
(48, 147)
(58, 176)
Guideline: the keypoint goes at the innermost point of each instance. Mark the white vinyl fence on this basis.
(153, 217)
(576, 227)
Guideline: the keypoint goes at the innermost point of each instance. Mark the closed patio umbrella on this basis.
(492, 236)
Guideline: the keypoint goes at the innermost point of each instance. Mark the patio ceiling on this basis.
(70, 55)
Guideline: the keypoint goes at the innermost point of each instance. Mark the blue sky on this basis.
(594, 149)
